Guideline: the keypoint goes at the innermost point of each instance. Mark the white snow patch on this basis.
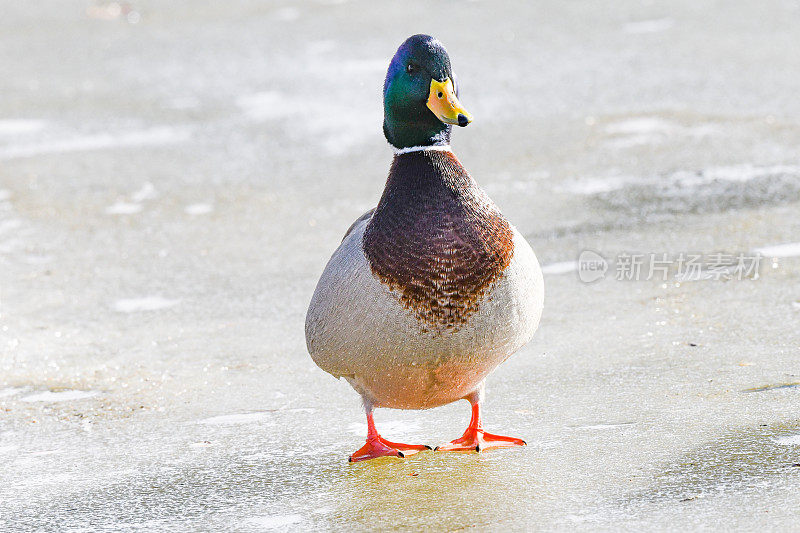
(596, 185)
(45, 452)
(198, 209)
(123, 208)
(184, 102)
(560, 268)
(20, 126)
(147, 303)
(274, 521)
(788, 440)
(639, 125)
(789, 249)
(60, 396)
(100, 141)
(635, 140)
(268, 105)
(287, 14)
(6, 225)
(4, 195)
(748, 172)
(145, 193)
(648, 26)
(240, 418)
(13, 391)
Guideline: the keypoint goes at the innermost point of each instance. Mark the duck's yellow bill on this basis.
(443, 102)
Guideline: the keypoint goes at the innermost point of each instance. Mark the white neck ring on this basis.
(436, 147)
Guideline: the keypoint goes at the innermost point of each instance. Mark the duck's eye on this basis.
(410, 68)
(439, 94)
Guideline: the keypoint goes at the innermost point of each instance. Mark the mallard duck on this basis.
(432, 289)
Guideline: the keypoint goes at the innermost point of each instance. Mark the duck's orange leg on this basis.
(377, 446)
(476, 439)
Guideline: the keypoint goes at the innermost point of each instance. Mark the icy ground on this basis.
(174, 175)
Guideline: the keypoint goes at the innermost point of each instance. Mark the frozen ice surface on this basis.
(59, 396)
(621, 127)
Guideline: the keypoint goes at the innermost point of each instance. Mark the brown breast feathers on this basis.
(436, 239)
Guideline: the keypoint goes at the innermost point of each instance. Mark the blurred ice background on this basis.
(174, 175)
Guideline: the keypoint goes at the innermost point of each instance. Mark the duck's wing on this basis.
(365, 216)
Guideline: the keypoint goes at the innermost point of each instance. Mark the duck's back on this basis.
(435, 280)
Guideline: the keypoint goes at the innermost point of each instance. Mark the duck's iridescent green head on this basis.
(420, 95)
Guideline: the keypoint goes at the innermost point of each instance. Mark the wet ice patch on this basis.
(638, 131)
(101, 141)
(788, 440)
(198, 209)
(148, 303)
(240, 418)
(789, 249)
(648, 26)
(335, 128)
(123, 208)
(705, 191)
(60, 396)
(274, 521)
(563, 267)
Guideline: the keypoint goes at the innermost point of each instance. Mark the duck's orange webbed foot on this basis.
(476, 439)
(376, 446)
(379, 447)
